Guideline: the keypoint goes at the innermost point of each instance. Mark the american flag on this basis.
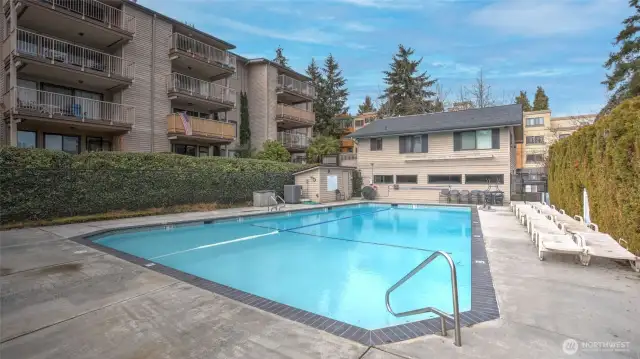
(186, 122)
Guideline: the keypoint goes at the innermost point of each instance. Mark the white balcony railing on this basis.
(287, 83)
(199, 88)
(57, 51)
(97, 11)
(201, 50)
(53, 104)
(293, 140)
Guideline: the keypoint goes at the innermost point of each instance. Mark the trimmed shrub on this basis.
(356, 183)
(37, 184)
(604, 158)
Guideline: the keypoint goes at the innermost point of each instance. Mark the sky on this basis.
(560, 45)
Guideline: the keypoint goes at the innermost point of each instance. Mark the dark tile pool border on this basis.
(484, 306)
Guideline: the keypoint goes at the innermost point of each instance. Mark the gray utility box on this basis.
(292, 193)
(263, 198)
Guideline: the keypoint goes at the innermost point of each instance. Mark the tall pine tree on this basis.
(408, 91)
(280, 58)
(331, 96)
(624, 64)
(366, 106)
(245, 149)
(319, 104)
(524, 101)
(541, 101)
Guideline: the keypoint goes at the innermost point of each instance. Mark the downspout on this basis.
(153, 79)
(266, 76)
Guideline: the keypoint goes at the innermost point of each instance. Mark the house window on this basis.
(413, 144)
(445, 179)
(535, 122)
(95, 144)
(535, 158)
(189, 150)
(484, 179)
(27, 139)
(476, 140)
(383, 179)
(69, 144)
(413, 179)
(376, 144)
(359, 123)
(535, 139)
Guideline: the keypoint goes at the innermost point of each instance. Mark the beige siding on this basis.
(330, 196)
(261, 85)
(390, 162)
(310, 182)
(239, 83)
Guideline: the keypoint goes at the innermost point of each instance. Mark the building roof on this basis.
(325, 166)
(291, 72)
(488, 117)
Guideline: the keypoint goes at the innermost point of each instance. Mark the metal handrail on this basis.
(275, 199)
(443, 315)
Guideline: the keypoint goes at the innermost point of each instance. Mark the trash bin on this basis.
(263, 198)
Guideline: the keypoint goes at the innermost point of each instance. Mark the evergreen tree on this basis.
(335, 88)
(524, 101)
(331, 96)
(624, 79)
(541, 101)
(366, 106)
(280, 58)
(245, 129)
(408, 92)
(319, 104)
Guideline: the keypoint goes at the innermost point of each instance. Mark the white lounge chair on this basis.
(603, 245)
(564, 244)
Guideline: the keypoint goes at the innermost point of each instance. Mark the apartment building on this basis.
(88, 75)
(413, 157)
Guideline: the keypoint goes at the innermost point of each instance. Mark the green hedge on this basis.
(605, 159)
(37, 184)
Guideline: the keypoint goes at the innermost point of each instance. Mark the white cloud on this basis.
(548, 17)
(310, 35)
(359, 27)
(384, 4)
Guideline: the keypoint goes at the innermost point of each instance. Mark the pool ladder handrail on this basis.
(454, 291)
(275, 207)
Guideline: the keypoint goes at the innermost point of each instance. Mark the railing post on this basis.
(109, 65)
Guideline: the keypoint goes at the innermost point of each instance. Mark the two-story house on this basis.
(413, 157)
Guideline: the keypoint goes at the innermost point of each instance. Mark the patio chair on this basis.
(498, 197)
(474, 196)
(562, 244)
(603, 245)
(464, 197)
(444, 195)
(454, 196)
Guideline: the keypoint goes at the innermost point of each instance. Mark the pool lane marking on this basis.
(323, 222)
(217, 244)
(357, 241)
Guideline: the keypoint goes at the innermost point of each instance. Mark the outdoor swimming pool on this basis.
(337, 263)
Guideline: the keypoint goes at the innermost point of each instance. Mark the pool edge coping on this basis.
(484, 306)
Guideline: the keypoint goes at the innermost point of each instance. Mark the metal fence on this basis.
(201, 50)
(98, 11)
(195, 87)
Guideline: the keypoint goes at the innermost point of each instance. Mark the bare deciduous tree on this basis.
(480, 92)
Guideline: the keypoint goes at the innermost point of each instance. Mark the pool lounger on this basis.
(603, 245)
(562, 244)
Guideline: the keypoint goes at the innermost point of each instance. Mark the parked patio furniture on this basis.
(454, 196)
(464, 197)
(444, 195)
(498, 197)
(600, 244)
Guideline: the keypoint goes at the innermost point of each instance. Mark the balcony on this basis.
(204, 130)
(290, 117)
(294, 141)
(187, 90)
(186, 52)
(89, 21)
(51, 107)
(346, 142)
(293, 91)
(49, 58)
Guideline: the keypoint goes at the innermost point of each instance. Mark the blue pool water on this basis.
(337, 263)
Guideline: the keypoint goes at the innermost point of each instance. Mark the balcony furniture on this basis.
(464, 197)
(444, 195)
(454, 196)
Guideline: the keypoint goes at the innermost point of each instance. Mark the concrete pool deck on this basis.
(60, 299)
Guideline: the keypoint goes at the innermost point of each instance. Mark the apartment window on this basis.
(383, 179)
(445, 179)
(27, 139)
(203, 151)
(535, 122)
(476, 140)
(235, 127)
(563, 135)
(189, 150)
(414, 144)
(69, 144)
(376, 144)
(534, 158)
(400, 179)
(534, 188)
(484, 179)
(359, 123)
(531, 140)
(95, 144)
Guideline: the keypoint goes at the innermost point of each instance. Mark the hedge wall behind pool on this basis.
(604, 158)
(38, 184)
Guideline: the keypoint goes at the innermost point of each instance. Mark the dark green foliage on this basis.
(541, 100)
(369, 193)
(366, 106)
(273, 151)
(331, 96)
(356, 183)
(624, 78)
(524, 101)
(322, 146)
(604, 158)
(245, 128)
(37, 184)
(408, 92)
(280, 58)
